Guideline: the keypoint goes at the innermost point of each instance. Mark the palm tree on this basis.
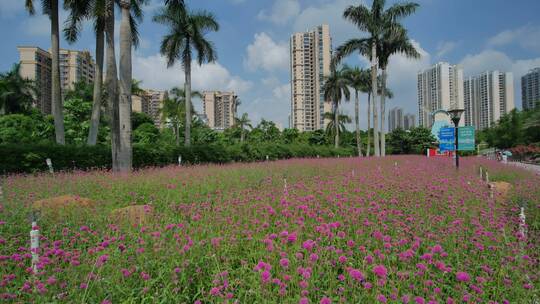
(136, 87)
(335, 89)
(187, 32)
(341, 125)
(174, 109)
(359, 80)
(388, 94)
(376, 21)
(394, 41)
(89, 9)
(50, 8)
(16, 93)
(242, 123)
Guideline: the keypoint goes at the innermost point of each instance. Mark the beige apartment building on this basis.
(311, 53)
(36, 65)
(75, 66)
(154, 105)
(140, 103)
(219, 109)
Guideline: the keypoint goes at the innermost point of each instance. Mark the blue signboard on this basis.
(446, 139)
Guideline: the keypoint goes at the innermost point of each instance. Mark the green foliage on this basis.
(16, 93)
(21, 129)
(77, 113)
(138, 119)
(147, 133)
(514, 129)
(414, 141)
(31, 157)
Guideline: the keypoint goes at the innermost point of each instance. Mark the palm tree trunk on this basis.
(374, 88)
(124, 108)
(383, 112)
(56, 91)
(242, 133)
(98, 81)
(187, 66)
(368, 152)
(177, 133)
(111, 82)
(356, 109)
(336, 125)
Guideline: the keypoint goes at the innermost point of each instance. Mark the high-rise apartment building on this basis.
(36, 65)
(409, 121)
(487, 97)
(530, 89)
(395, 119)
(140, 103)
(311, 54)
(440, 87)
(220, 109)
(155, 101)
(75, 66)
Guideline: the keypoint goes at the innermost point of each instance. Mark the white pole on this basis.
(481, 173)
(267, 157)
(285, 185)
(179, 160)
(34, 246)
(48, 161)
(487, 177)
(522, 225)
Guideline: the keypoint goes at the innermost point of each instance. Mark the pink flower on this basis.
(214, 291)
(463, 277)
(380, 271)
(381, 298)
(356, 274)
(145, 276)
(419, 300)
(265, 276)
(325, 300)
(284, 262)
(342, 259)
(303, 301)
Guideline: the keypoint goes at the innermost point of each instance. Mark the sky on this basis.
(253, 45)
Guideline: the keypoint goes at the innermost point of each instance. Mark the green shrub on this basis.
(29, 158)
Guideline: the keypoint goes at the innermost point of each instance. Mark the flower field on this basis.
(393, 230)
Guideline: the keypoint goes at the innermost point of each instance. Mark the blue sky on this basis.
(253, 47)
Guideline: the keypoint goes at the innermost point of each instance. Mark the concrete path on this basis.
(531, 167)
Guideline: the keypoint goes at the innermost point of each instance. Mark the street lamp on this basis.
(455, 115)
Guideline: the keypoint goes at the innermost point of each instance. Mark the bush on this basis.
(31, 158)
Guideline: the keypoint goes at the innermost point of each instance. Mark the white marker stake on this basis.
(49, 164)
(34, 246)
(285, 185)
(179, 160)
(395, 164)
(522, 227)
(481, 173)
(267, 157)
(318, 156)
(491, 190)
(487, 177)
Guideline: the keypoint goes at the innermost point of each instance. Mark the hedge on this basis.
(31, 158)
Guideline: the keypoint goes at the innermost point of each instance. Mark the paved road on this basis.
(534, 168)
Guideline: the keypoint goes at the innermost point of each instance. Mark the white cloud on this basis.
(153, 71)
(528, 37)
(282, 12)
(328, 13)
(267, 54)
(445, 47)
(272, 102)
